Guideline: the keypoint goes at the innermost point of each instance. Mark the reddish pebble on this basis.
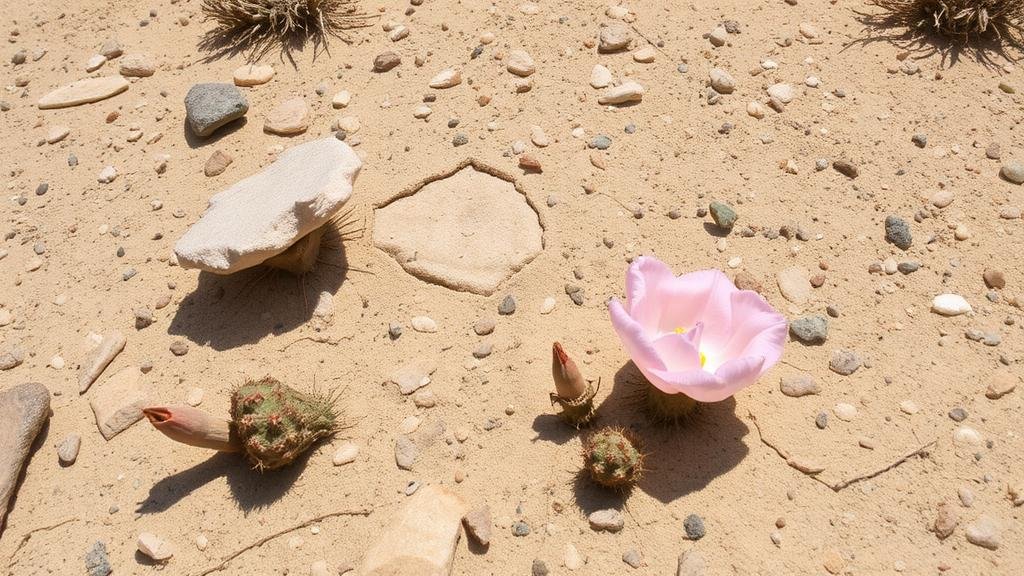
(817, 280)
(529, 163)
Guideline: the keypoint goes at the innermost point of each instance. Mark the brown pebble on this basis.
(113, 116)
(780, 522)
(846, 168)
(746, 281)
(530, 164)
(823, 264)
(817, 280)
(483, 99)
(386, 61)
(994, 278)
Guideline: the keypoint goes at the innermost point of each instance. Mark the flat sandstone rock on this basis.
(118, 402)
(467, 231)
(269, 211)
(24, 409)
(84, 92)
(421, 540)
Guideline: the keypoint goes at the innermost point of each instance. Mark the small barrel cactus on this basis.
(574, 394)
(612, 458)
(276, 423)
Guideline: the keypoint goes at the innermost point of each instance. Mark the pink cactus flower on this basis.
(696, 334)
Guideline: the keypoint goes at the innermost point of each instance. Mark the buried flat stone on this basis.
(24, 409)
(263, 215)
(421, 540)
(84, 92)
(468, 229)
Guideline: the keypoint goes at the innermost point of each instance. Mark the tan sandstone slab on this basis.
(264, 214)
(288, 118)
(253, 74)
(468, 230)
(421, 540)
(23, 411)
(84, 92)
(118, 401)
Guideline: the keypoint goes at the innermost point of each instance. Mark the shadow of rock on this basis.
(680, 458)
(224, 312)
(194, 141)
(714, 230)
(40, 440)
(251, 488)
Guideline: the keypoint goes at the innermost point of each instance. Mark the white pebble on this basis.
(548, 305)
(345, 454)
(424, 324)
(950, 305)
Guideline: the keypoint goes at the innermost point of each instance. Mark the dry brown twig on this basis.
(256, 27)
(227, 559)
(961, 20)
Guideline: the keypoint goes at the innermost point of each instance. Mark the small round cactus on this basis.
(612, 458)
(276, 423)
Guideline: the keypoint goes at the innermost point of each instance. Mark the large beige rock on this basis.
(84, 92)
(421, 540)
(118, 401)
(24, 409)
(269, 211)
(468, 230)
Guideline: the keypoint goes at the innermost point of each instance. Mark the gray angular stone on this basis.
(210, 105)
(845, 362)
(691, 563)
(810, 329)
(1013, 171)
(24, 409)
(96, 561)
(478, 524)
(609, 520)
(897, 232)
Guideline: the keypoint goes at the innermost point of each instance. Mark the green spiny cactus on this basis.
(277, 423)
(612, 458)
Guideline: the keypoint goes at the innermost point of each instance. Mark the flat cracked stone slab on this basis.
(264, 214)
(469, 229)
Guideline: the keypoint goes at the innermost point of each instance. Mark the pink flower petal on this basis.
(702, 296)
(736, 374)
(680, 352)
(756, 330)
(644, 277)
(701, 385)
(633, 337)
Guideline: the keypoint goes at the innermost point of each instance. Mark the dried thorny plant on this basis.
(951, 27)
(256, 27)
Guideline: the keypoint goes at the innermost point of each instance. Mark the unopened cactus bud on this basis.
(574, 394)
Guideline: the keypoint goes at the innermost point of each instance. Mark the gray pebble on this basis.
(821, 420)
(72, 160)
(820, 164)
(539, 568)
(143, 318)
(958, 414)
(43, 188)
(394, 330)
(845, 362)
(810, 329)
(96, 561)
(601, 142)
(507, 306)
(723, 215)
(908, 267)
(210, 105)
(39, 248)
(920, 140)
(67, 450)
(460, 139)
(694, 526)
(897, 232)
(129, 274)
(179, 348)
(633, 558)
(520, 528)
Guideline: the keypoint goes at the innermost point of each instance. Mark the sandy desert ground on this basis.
(928, 136)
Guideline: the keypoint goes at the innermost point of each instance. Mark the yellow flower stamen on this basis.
(703, 357)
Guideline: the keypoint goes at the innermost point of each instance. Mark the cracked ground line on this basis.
(920, 451)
